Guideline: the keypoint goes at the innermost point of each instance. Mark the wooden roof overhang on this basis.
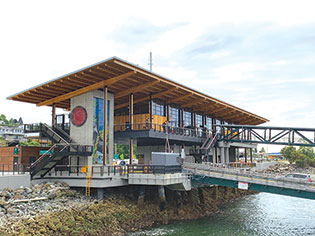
(123, 78)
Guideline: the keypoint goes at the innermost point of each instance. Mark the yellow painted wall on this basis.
(140, 122)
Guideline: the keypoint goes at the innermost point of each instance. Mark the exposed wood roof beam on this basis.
(232, 120)
(95, 78)
(233, 115)
(85, 79)
(205, 110)
(71, 83)
(101, 73)
(207, 105)
(41, 96)
(218, 112)
(65, 86)
(25, 96)
(105, 70)
(55, 87)
(41, 91)
(226, 114)
(180, 98)
(135, 89)
(241, 119)
(146, 98)
(86, 89)
(77, 80)
(117, 71)
(194, 102)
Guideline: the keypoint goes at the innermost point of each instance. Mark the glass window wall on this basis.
(158, 109)
(209, 123)
(187, 119)
(198, 120)
(174, 116)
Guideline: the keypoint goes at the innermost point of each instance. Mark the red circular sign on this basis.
(78, 116)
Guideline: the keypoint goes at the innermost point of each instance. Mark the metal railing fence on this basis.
(113, 170)
(11, 169)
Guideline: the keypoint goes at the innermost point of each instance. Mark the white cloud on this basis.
(41, 40)
(234, 72)
(280, 62)
(220, 54)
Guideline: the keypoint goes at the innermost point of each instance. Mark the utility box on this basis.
(165, 159)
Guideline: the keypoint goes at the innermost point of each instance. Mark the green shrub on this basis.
(311, 162)
(301, 163)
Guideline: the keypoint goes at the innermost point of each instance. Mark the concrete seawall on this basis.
(14, 181)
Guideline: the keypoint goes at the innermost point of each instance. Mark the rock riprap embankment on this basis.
(284, 168)
(54, 209)
(28, 202)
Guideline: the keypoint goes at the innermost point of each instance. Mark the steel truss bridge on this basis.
(267, 135)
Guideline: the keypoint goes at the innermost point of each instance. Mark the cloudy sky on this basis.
(258, 55)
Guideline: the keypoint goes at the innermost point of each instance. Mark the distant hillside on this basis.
(10, 122)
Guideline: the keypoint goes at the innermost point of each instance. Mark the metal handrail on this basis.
(64, 133)
(43, 155)
(54, 133)
(163, 128)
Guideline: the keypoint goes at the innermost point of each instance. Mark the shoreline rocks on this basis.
(63, 211)
(283, 169)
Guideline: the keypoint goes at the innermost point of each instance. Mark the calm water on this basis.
(262, 214)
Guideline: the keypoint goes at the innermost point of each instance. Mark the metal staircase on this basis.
(56, 153)
(63, 147)
(209, 143)
(63, 134)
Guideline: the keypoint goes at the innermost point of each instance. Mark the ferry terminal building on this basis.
(142, 108)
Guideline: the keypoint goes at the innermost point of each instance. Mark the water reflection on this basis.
(261, 214)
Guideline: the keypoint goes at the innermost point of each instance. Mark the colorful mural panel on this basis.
(98, 129)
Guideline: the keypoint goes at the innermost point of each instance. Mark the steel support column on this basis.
(105, 126)
(227, 155)
(222, 152)
(151, 110)
(131, 127)
(53, 115)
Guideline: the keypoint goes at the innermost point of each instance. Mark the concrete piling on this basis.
(100, 193)
(190, 197)
(201, 196)
(162, 197)
(141, 197)
(235, 190)
(216, 192)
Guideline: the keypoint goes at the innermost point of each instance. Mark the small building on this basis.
(14, 158)
(275, 155)
(12, 133)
